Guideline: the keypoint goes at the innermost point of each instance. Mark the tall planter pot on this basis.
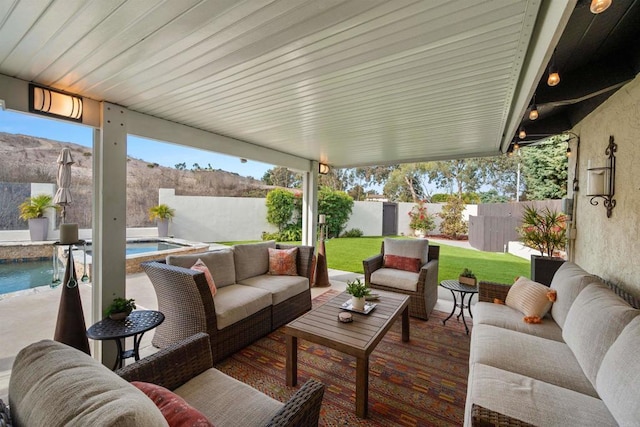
(38, 229)
(543, 268)
(163, 227)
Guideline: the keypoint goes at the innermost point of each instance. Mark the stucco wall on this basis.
(367, 217)
(605, 246)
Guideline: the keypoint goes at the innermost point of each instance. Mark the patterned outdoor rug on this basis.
(419, 383)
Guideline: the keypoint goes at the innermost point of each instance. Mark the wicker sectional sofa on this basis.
(53, 384)
(249, 303)
(579, 367)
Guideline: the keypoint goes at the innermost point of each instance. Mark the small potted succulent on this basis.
(163, 214)
(120, 308)
(358, 292)
(468, 278)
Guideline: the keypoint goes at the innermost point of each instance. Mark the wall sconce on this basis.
(50, 102)
(599, 6)
(601, 180)
(323, 169)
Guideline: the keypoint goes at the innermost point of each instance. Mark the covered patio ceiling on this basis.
(347, 83)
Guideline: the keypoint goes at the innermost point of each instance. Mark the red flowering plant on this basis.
(421, 220)
(544, 230)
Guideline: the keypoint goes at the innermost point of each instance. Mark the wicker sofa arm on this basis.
(302, 409)
(370, 265)
(488, 291)
(483, 417)
(173, 365)
(5, 415)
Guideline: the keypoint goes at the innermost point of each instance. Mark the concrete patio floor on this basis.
(31, 316)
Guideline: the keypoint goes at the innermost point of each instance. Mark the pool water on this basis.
(17, 276)
(135, 248)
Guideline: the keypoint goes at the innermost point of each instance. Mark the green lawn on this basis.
(347, 254)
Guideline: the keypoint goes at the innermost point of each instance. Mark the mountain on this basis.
(25, 159)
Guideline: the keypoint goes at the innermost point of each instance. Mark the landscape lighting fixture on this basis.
(599, 6)
(323, 169)
(50, 102)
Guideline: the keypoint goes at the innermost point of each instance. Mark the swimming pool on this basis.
(145, 246)
(18, 276)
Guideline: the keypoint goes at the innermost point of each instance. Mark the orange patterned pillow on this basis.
(282, 262)
(201, 266)
(402, 263)
(175, 409)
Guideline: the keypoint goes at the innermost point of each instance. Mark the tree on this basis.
(453, 225)
(337, 206)
(545, 168)
(280, 207)
(282, 177)
(457, 176)
(357, 193)
(181, 166)
(406, 184)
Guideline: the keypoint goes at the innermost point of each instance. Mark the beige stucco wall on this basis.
(609, 247)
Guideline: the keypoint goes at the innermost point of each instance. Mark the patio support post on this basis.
(310, 205)
(109, 217)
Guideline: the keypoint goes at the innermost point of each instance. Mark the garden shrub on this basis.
(354, 232)
(453, 225)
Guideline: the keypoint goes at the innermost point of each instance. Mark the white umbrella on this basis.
(63, 194)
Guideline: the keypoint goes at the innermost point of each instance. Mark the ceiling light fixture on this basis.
(323, 169)
(50, 102)
(599, 6)
(516, 146)
(522, 134)
(554, 77)
(533, 114)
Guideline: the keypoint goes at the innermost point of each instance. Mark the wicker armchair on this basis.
(177, 364)
(422, 301)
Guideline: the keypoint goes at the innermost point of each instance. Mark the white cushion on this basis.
(236, 302)
(568, 282)
(487, 313)
(226, 401)
(532, 401)
(53, 384)
(410, 248)
(529, 297)
(219, 263)
(252, 259)
(593, 323)
(399, 279)
(281, 287)
(618, 380)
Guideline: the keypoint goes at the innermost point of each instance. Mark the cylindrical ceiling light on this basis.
(51, 102)
(599, 6)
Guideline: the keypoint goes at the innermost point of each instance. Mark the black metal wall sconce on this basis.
(601, 180)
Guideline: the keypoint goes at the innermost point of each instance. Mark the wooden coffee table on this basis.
(358, 338)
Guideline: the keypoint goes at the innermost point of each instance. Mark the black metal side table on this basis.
(464, 290)
(135, 325)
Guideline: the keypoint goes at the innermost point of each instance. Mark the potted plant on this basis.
(33, 210)
(358, 292)
(120, 308)
(544, 230)
(421, 222)
(468, 278)
(163, 214)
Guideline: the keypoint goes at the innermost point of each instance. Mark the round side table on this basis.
(464, 290)
(134, 325)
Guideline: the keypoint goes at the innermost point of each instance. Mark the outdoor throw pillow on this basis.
(402, 263)
(282, 262)
(200, 266)
(175, 409)
(530, 298)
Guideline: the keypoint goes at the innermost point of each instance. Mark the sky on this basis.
(151, 151)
